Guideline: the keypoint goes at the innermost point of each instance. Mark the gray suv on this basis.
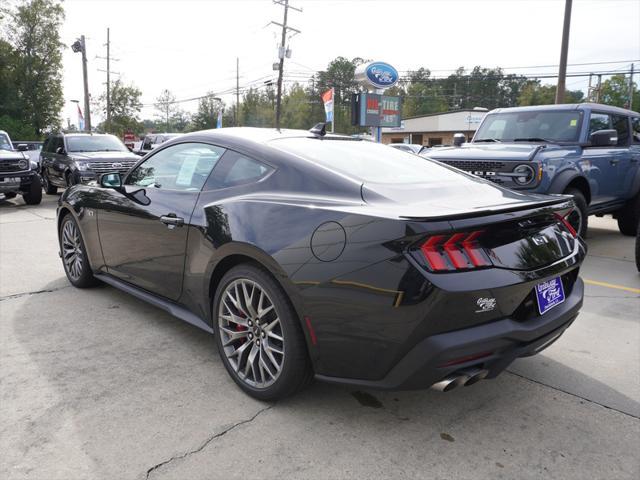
(70, 158)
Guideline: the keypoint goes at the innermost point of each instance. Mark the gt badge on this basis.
(486, 304)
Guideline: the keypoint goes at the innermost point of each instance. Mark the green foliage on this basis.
(533, 93)
(615, 91)
(166, 107)
(125, 108)
(296, 108)
(32, 65)
(17, 129)
(258, 108)
(423, 95)
(207, 115)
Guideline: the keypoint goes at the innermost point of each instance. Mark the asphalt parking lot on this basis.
(97, 384)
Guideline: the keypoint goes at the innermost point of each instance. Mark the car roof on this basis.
(262, 135)
(567, 107)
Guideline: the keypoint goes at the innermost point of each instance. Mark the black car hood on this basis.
(466, 196)
(485, 151)
(102, 156)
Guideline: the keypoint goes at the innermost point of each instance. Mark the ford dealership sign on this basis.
(379, 75)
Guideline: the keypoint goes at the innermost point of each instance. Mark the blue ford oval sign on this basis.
(381, 75)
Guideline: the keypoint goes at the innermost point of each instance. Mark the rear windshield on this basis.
(367, 161)
(534, 125)
(88, 143)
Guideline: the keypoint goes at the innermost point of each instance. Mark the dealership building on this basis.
(436, 128)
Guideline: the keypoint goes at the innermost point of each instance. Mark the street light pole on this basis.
(562, 73)
(87, 110)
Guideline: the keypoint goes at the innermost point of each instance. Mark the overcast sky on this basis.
(190, 47)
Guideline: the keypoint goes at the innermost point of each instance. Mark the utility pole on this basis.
(237, 119)
(108, 72)
(562, 73)
(631, 88)
(282, 53)
(108, 87)
(80, 46)
(598, 88)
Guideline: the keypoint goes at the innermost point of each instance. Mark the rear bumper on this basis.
(502, 341)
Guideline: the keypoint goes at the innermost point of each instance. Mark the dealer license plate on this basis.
(10, 180)
(549, 294)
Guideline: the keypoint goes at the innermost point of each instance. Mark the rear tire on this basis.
(34, 195)
(253, 322)
(629, 217)
(579, 220)
(74, 254)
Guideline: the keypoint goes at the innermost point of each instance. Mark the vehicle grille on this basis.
(122, 166)
(479, 166)
(11, 166)
(470, 166)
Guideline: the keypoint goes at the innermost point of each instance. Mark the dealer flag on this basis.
(80, 119)
(219, 122)
(327, 98)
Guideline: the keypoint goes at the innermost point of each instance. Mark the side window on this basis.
(621, 124)
(146, 144)
(635, 129)
(237, 169)
(45, 145)
(599, 121)
(185, 166)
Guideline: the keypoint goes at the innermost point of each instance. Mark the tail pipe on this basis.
(459, 379)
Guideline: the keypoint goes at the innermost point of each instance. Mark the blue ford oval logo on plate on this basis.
(381, 75)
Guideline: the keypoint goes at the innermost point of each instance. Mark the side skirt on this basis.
(166, 305)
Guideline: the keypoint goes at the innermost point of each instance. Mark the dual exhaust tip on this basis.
(462, 378)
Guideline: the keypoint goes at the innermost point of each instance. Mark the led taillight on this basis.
(563, 219)
(458, 251)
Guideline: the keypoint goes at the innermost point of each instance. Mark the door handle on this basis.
(614, 161)
(172, 221)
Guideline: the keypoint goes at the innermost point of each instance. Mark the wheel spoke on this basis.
(251, 333)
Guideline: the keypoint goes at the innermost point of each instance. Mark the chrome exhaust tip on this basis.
(450, 382)
(475, 376)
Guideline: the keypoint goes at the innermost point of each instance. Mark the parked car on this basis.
(30, 148)
(18, 175)
(153, 140)
(71, 158)
(587, 150)
(314, 254)
(409, 147)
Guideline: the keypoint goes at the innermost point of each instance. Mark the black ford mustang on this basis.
(309, 254)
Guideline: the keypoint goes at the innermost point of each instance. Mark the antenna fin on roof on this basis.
(319, 129)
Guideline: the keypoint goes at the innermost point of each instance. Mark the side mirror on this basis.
(604, 138)
(22, 147)
(60, 150)
(459, 139)
(111, 180)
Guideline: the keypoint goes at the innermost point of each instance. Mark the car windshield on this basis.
(5, 144)
(532, 126)
(102, 143)
(367, 161)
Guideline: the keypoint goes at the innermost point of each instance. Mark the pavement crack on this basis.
(207, 441)
(573, 395)
(37, 292)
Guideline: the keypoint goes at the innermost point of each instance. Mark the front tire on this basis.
(258, 335)
(629, 217)
(579, 218)
(33, 196)
(74, 254)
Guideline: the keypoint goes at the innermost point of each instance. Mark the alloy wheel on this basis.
(72, 253)
(251, 333)
(575, 219)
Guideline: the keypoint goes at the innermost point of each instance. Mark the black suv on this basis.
(70, 158)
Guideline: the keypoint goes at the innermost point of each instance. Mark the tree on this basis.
(125, 108)
(207, 115)
(536, 94)
(615, 91)
(166, 106)
(33, 30)
(423, 95)
(296, 109)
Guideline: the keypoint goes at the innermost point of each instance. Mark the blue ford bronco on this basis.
(587, 150)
